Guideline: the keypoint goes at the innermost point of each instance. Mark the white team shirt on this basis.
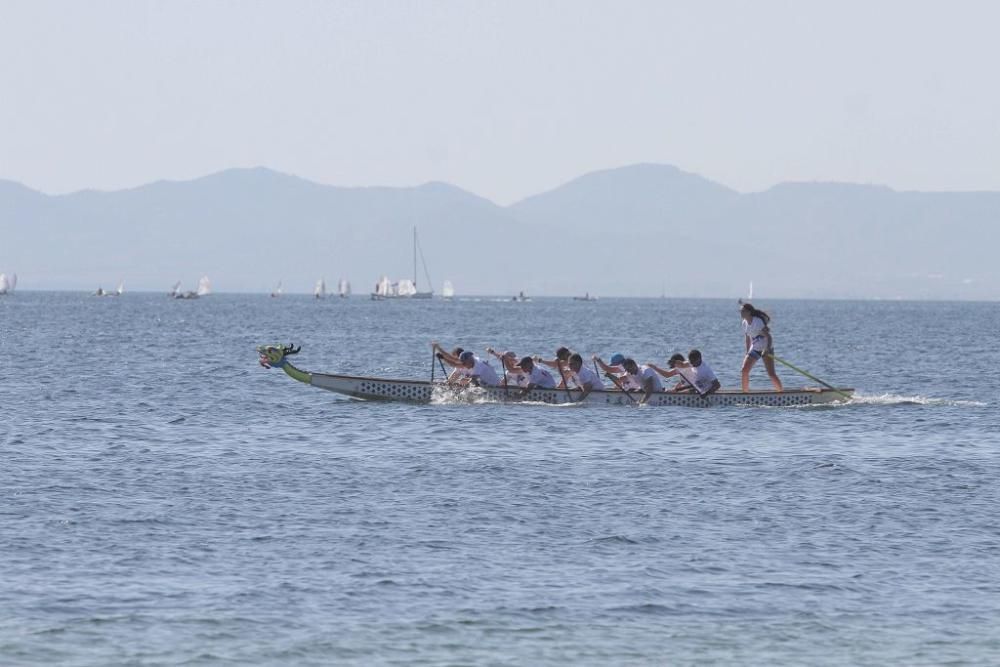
(645, 373)
(487, 376)
(586, 376)
(701, 377)
(540, 378)
(755, 330)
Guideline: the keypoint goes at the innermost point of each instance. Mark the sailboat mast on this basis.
(414, 256)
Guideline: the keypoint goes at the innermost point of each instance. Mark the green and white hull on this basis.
(422, 391)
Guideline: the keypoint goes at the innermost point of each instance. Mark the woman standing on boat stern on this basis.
(759, 344)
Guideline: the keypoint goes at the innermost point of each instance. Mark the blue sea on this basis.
(164, 500)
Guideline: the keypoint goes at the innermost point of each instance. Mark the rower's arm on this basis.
(446, 356)
(666, 374)
(508, 362)
(551, 363)
(605, 367)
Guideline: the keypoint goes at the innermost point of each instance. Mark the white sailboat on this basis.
(118, 292)
(320, 291)
(7, 283)
(204, 286)
(447, 290)
(406, 288)
(204, 289)
(383, 289)
(277, 291)
(750, 292)
(344, 288)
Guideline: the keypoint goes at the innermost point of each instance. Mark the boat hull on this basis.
(418, 391)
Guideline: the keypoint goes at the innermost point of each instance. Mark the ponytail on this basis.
(764, 317)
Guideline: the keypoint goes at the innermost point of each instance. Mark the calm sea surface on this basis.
(165, 500)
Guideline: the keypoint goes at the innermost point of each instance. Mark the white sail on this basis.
(344, 287)
(121, 288)
(4, 283)
(13, 282)
(320, 291)
(383, 287)
(204, 286)
(447, 290)
(175, 291)
(750, 292)
(405, 287)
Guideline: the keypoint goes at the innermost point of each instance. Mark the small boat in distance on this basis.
(447, 290)
(118, 292)
(277, 291)
(7, 283)
(585, 297)
(344, 288)
(320, 291)
(521, 298)
(204, 289)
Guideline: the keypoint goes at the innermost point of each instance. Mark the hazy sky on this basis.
(505, 99)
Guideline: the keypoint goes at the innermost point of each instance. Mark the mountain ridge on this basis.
(672, 227)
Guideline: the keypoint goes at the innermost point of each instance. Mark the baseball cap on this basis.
(617, 359)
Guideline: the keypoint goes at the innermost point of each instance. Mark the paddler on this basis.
(615, 372)
(476, 372)
(560, 363)
(585, 379)
(698, 375)
(759, 344)
(644, 376)
(672, 364)
(534, 376)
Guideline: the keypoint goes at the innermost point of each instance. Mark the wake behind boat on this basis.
(423, 391)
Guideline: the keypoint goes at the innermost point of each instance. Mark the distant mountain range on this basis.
(641, 230)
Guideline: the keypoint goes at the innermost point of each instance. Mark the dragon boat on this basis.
(423, 391)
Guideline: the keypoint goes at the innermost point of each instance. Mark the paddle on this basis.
(503, 367)
(569, 396)
(811, 377)
(433, 356)
(693, 387)
(614, 381)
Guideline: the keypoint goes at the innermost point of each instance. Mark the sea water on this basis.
(166, 500)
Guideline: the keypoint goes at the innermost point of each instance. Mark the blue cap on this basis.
(617, 359)
(467, 355)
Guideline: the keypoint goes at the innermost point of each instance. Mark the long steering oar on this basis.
(811, 377)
